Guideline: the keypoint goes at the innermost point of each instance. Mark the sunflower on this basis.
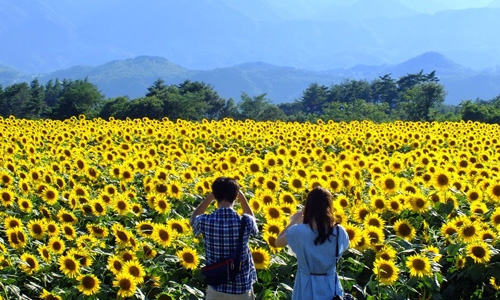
(360, 213)
(271, 241)
(364, 241)
(97, 230)
(148, 251)
(135, 269)
(433, 249)
(68, 231)
(256, 205)
(494, 190)
(442, 180)
(376, 235)
(261, 258)
(89, 284)
(388, 183)
(44, 253)
(495, 283)
(121, 204)
(474, 195)
(12, 222)
(387, 253)
(161, 204)
(478, 208)
(404, 229)
(419, 265)
(69, 265)
(179, 226)
(273, 213)
(17, 238)
(273, 227)
(30, 263)
(386, 271)
(115, 265)
(46, 295)
(162, 235)
(396, 204)
(175, 189)
(460, 262)
(354, 233)
(99, 207)
(479, 251)
(56, 245)
(488, 235)
(127, 255)
(144, 228)
(37, 228)
(296, 183)
(25, 205)
(50, 195)
(7, 197)
(419, 203)
(126, 284)
(188, 258)
(375, 220)
(378, 204)
(65, 216)
(469, 232)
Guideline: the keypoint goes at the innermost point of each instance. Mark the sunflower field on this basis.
(95, 209)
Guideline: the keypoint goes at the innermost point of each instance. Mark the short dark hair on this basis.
(225, 188)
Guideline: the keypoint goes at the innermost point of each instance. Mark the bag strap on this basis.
(239, 246)
(336, 260)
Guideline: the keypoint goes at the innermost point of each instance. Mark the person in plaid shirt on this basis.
(220, 231)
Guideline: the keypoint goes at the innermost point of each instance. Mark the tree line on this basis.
(413, 97)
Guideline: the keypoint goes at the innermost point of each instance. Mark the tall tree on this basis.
(78, 97)
(350, 90)
(314, 99)
(35, 106)
(52, 92)
(157, 88)
(422, 99)
(385, 90)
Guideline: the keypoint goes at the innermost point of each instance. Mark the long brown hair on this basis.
(319, 207)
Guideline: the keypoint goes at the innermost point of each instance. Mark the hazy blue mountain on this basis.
(42, 36)
(131, 77)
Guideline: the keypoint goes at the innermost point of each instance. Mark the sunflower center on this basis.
(117, 265)
(374, 222)
(379, 204)
(478, 252)
(134, 271)
(418, 264)
(56, 246)
(389, 183)
(404, 229)
(496, 190)
(274, 213)
(125, 284)
(469, 231)
(88, 282)
(164, 236)
(188, 257)
(121, 205)
(122, 235)
(37, 229)
(67, 218)
(420, 202)
(474, 196)
(70, 264)
(31, 262)
(258, 257)
(442, 179)
(387, 271)
(296, 183)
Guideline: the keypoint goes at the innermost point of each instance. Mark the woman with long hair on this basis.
(318, 241)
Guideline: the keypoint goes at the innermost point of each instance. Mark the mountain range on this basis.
(47, 35)
(131, 77)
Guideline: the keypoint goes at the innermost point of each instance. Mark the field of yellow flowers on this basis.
(94, 209)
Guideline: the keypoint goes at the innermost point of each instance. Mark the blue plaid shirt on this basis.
(220, 231)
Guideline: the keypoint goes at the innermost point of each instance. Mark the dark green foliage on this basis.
(413, 97)
(79, 97)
